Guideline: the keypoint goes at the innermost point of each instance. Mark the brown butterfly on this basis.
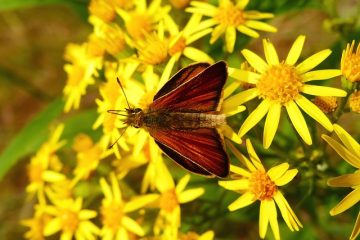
(183, 118)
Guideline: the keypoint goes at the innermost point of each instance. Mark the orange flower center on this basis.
(169, 200)
(112, 214)
(262, 186)
(230, 15)
(179, 46)
(325, 103)
(354, 102)
(280, 83)
(152, 50)
(138, 25)
(70, 221)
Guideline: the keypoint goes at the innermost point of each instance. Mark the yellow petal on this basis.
(276, 172)
(347, 140)
(242, 4)
(265, 212)
(254, 117)
(295, 50)
(191, 194)
(115, 188)
(197, 55)
(298, 122)
(243, 201)
(320, 74)
(286, 178)
(323, 91)
(313, 61)
(52, 176)
(247, 31)
(229, 89)
(53, 226)
(270, 53)
(231, 103)
(182, 183)
(342, 151)
(230, 38)
(209, 235)
(313, 111)
(244, 76)
(132, 226)
(230, 134)
(253, 156)
(87, 214)
(255, 61)
(350, 200)
(240, 157)
(239, 170)
(260, 26)
(273, 220)
(347, 180)
(197, 35)
(106, 189)
(206, 6)
(218, 30)
(271, 124)
(139, 202)
(167, 71)
(238, 184)
(356, 230)
(287, 213)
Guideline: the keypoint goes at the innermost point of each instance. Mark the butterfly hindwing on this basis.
(202, 93)
(199, 150)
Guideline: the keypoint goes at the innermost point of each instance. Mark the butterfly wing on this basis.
(200, 150)
(180, 77)
(201, 93)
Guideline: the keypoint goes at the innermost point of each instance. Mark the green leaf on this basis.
(30, 137)
(15, 4)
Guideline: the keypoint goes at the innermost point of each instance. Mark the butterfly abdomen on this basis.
(180, 120)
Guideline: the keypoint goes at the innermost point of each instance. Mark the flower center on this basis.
(351, 68)
(112, 214)
(102, 9)
(262, 186)
(327, 104)
(152, 50)
(138, 25)
(354, 102)
(113, 39)
(280, 83)
(230, 15)
(179, 46)
(168, 200)
(35, 172)
(70, 221)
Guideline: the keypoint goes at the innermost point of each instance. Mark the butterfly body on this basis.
(184, 118)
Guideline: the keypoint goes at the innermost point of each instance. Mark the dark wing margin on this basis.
(201, 93)
(200, 151)
(182, 76)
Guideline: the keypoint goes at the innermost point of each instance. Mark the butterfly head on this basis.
(134, 117)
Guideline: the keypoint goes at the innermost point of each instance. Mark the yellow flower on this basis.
(208, 235)
(258, 184)
(143, 18)
(116, 224)
(281, 84)
(354, 102)
(230, 18)
(350, 62)
(71, 220)
(326, 104)
(80, 73)
(42, 169)
(36, 224)
(169, 200)
(349, 150)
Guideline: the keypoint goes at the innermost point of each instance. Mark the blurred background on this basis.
(33, 36)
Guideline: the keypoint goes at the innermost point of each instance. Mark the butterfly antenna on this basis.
(122, 89)
(118, 138)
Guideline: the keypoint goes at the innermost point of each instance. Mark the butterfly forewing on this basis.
(202, 93)
(199, 150)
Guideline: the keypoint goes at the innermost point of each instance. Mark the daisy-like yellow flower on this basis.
(258, 184)
(229, 18)
(350, 62)
(169, 200)
(281, 84)
(36, 224)
(349, 150)
(114, 210)
(43, 167)
(71, 220)
(142, 19)
(80, 73)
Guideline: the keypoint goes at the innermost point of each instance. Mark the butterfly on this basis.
(184, 116)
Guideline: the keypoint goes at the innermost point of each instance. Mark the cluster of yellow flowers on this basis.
(127, 191)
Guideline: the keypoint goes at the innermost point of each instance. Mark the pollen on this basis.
(139, 25)
(70, 221)
(327, 104)
(169, 200)
(354, 102)
(152, 50)
(350, 63)
(281, 83)
(112, 214)
(179, 46)
(102, 9)
(230, 15)
(262, 186)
